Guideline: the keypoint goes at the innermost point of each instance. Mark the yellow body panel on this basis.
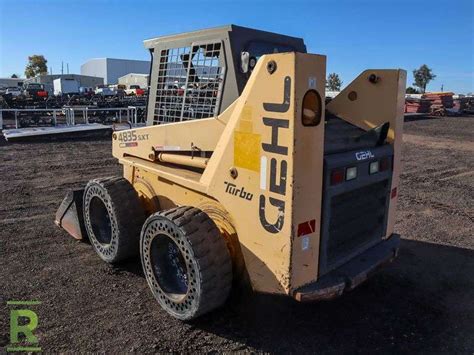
(263, 176)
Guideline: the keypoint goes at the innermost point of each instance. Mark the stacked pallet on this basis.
(442, 100)
(417, 105)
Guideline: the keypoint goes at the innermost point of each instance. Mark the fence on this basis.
(69, 113)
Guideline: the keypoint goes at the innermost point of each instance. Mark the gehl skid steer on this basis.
(244, 172)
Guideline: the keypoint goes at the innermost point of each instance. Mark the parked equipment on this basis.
(135, 90)
(35, 91)
(242, 173)
(103, 90)
(65, 86)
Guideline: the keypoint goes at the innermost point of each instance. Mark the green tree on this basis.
(36, 66)
(423, 75)
(14, 76)
(333, 82)
(412, 90)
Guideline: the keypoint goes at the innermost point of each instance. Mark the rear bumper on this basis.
(352, 274)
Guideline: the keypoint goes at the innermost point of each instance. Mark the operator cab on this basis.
(199, 74)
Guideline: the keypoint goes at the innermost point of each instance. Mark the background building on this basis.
(111, 69)
(83, 80)
(10, 82)
(134, 79)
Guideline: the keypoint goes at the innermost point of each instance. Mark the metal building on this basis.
(11, 82)
(134, 79)
(83, 80)
(111, 69)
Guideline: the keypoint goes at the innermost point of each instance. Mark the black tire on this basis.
(113, 217)
(186, 262)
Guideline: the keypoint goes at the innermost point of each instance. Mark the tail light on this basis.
(337, 176)
(351, 173)
(42, 93)
(374, 167)
(385, 164)
(393, 194)
(340, 175)
(140, 92)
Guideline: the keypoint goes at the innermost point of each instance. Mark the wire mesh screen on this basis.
(190, 81)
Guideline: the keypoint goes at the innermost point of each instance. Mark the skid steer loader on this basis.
(244, 172)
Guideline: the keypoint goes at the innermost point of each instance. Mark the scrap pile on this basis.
(469, 105)
(463, 104)
(417, 105)
(440, 101)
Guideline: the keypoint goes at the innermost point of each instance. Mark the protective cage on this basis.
(199, 74)
(190, 82)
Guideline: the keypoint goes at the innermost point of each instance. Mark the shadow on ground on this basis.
(424, 301)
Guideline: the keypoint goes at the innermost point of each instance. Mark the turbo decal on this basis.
(232, 189)
(278, 164)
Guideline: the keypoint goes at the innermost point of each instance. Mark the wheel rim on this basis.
(180, 302)
(169, 267)
(100, 221)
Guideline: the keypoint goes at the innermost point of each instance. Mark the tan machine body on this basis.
(257, 171)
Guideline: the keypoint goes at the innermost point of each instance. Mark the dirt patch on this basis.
(422, 302)
(440, 143)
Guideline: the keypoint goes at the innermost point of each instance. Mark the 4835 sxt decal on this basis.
(130, 138)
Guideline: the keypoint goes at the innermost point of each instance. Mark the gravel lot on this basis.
(424, 302)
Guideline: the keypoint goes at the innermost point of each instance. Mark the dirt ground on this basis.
(424, 302)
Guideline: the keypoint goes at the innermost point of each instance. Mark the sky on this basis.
(354, 35)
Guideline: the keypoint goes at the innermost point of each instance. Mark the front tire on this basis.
(113, 217)
(186, 262)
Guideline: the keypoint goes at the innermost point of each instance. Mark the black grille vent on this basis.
(357, 219)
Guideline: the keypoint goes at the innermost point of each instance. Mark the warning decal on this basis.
(306, 228)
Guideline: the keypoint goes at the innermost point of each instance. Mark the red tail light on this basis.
(385, 163)
(42, 93)
(393, 193)
(140, 92)
(337, 176)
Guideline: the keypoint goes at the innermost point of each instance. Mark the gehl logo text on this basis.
(278, 163)
(233, 190)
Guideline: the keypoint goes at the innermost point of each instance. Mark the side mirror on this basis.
(244, 62)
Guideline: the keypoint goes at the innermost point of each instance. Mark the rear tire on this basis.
(186, 262)
(113, 217)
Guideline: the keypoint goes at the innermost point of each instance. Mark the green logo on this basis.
(23, 322)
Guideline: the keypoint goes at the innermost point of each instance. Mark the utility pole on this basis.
(442, 87)
(62, 68)
(67, 64)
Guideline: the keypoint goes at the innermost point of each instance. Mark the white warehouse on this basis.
(134, 79)
(111, 69)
